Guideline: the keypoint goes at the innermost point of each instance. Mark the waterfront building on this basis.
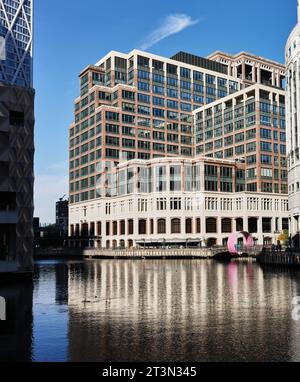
(178, 201)
(139, 109)
(249, 126)
(16, 136)
(292, 54)
(62, 217)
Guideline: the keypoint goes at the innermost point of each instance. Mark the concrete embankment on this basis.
(203, 253)
(291, 259)
(218, 253)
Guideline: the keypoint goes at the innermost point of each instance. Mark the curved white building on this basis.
(177, 201)
(293, 123)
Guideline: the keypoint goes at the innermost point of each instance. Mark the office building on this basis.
(62, 217)
(292, 54)
(16, 136)
(138, 108)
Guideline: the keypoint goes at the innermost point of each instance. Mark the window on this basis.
(16, 118)
(198, 225)
(184, 72)
(144, 110)
(172, 93)
(143, 86)
(210, 79)
(175, 204)
(161, 204)
(171, 69)
(142, 227)
(142, 74)
(175, 226)
(198, 76)
(172, 81)
(172, 104)
(226, 225)
(158, 90)
(128, 95)
(188, 226)
(144, 98)
(130, 227)
(211, 225)
(158, 113)
(111, 116)
(175, 178)
(161, 226)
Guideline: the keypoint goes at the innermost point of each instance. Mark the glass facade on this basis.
(148, 112)
(16, 41)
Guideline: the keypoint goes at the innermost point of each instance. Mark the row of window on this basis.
(176, 226)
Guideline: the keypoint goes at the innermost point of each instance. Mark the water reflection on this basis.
(162, 311)
(180, 310)
(16, 331)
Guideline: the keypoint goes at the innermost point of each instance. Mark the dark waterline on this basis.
(152, 311)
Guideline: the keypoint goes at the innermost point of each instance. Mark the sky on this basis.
(71, 34)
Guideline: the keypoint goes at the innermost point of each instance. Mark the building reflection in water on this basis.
(180, 311)
(50, 311)
(16, 331)
(152, 311)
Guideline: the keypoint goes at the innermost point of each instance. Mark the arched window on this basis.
(198, 224)
(151, 226)
(226, 225)
(161, 226)
(115, 228)
(122, 227)
(175, 226)
(239, 224)
(211, 242)
(99, 228)
(92, 230)
(252, 224)
(107, 228)
(85, 230)
(142, 227)
(130, 227)
(211, 225)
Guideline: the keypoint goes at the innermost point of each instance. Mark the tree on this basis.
(284, 237)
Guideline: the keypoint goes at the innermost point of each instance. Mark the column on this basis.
(254, 73)
(243, 70)
(219, 228)
(258, 74)
(260, 233)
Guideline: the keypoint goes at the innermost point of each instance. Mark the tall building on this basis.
(292, 54)
(142, 118)
(16, 136)
(62, 217)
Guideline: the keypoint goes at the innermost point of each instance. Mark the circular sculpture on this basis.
(233, 246)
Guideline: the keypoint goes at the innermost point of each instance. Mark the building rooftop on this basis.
(243, 53)
(202, 62)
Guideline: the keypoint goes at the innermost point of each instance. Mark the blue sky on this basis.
(71, 34)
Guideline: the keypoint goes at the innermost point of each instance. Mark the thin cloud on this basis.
(59, 166)
(171, 25)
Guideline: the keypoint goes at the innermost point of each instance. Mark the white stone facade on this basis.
(178, 217)
(293, 124)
